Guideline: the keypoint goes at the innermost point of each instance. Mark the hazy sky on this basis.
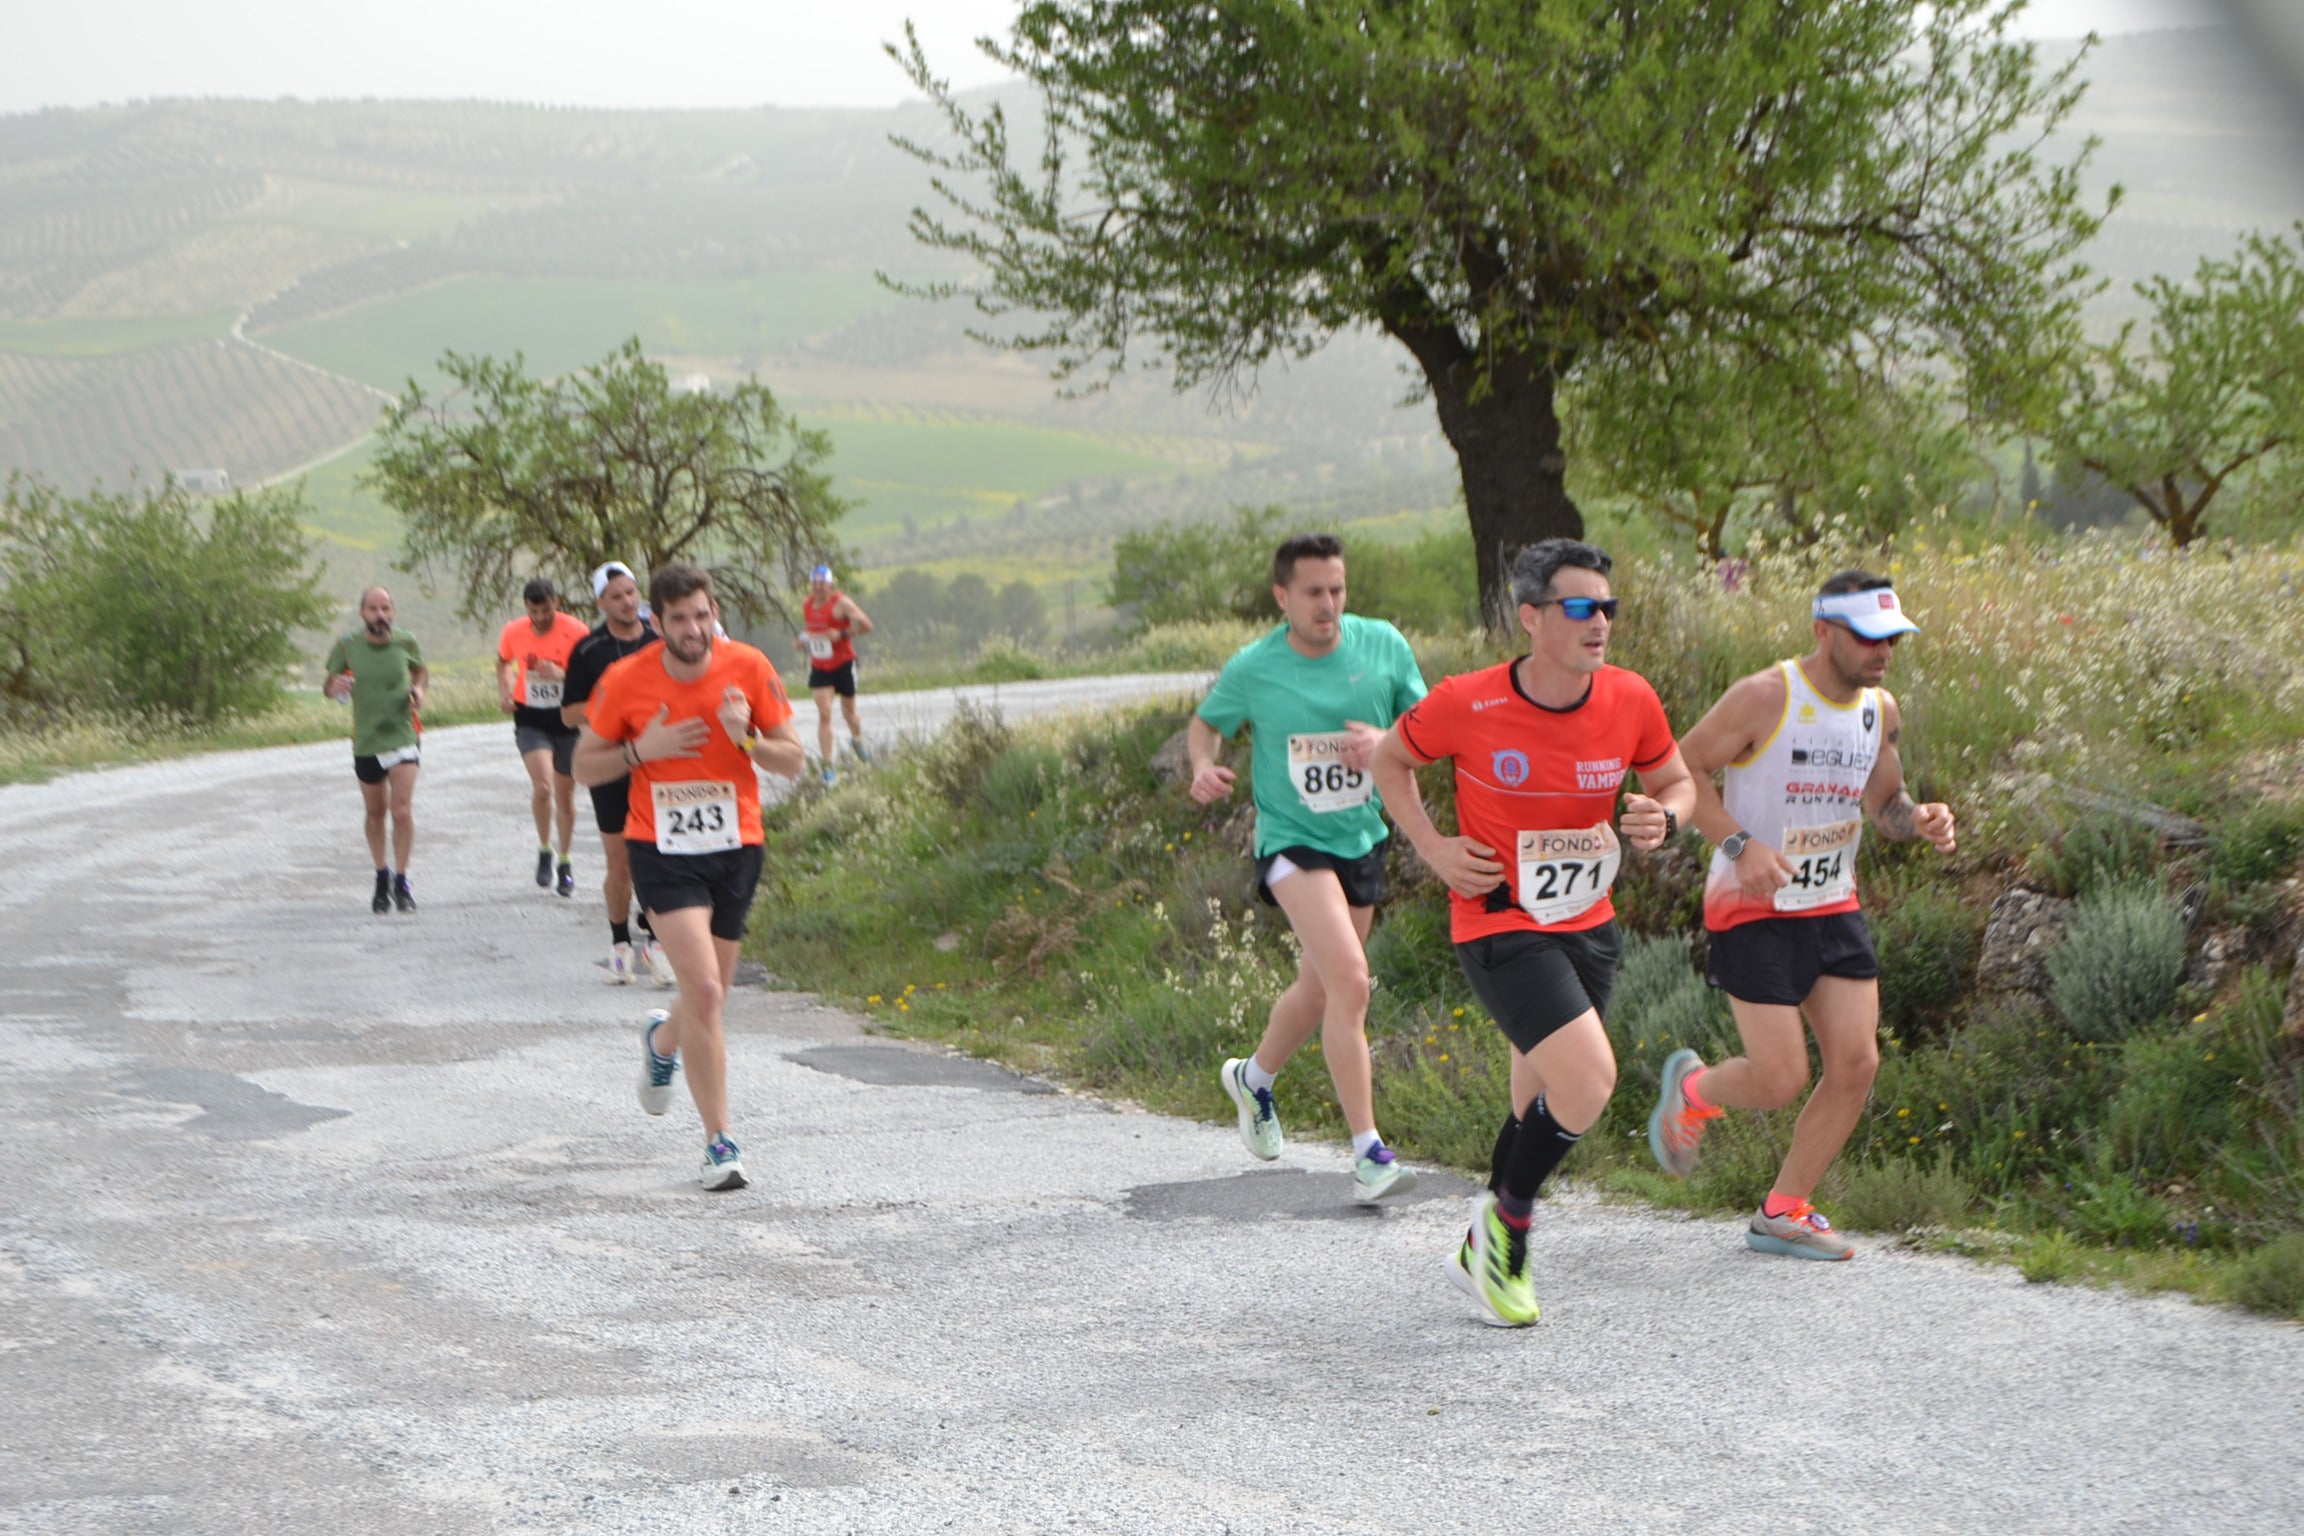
(666, 53)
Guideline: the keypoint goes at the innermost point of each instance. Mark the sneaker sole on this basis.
(1760, 1242)
(1244, 1102)
(662, 1097)
(1675, 1069)
(730, 1178)
(1399, 1184)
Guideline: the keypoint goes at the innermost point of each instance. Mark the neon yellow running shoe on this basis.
(1500, 1268)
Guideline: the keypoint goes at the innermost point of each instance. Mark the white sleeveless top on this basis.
(1802, 792)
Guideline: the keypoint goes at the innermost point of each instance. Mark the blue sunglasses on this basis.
(1581, 609)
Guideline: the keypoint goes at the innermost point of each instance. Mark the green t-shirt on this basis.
(381, 676)
(1295, 705)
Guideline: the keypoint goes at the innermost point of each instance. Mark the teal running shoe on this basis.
(656, 1072)
(723, 1164)
(1800, 1233)
(1259, 1120)
(1381, 1174)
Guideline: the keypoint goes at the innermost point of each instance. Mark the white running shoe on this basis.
(621, 965)
(659, 965)
(723, 1164)
(656, 1072)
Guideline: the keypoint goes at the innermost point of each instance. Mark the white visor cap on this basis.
(1875, 615)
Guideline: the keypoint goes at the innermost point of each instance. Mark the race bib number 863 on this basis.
(696, 816)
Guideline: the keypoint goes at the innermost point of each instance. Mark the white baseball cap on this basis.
(602, 576)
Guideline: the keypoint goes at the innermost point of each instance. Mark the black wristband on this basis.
(1671, 824)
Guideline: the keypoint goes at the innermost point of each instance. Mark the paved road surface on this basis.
(323, 1222)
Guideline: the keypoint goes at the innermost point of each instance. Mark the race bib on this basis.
(1565, 872)
(1323, 783)
(543, 693)
(1823, 865)
(695, 816)
(820, 647)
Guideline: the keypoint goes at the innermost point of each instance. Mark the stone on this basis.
(2023, 928)
(946, 943)
(2219, 955)
(1172, 764)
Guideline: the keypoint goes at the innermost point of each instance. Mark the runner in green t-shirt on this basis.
(1316, 694)
(382, 675)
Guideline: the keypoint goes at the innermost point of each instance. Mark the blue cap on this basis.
(821, 573)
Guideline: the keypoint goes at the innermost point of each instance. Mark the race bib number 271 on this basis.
(1565, 872)
(696, 816)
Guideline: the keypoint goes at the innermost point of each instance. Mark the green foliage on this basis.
(2215, 392)
(2105, 1204)
(1661, 1005)
(2119, 964)
(152, 605)
(1928, 942)
(2258, 844)
(514, 475)
(2174, 1107)
(964, 756)
(916, 613)
(1904, 1192)
(2097, 852)
(1510, 197)
(1193, 572)
(2272, 1278)
(1428, 586)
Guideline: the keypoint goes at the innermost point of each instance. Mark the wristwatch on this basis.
(1733, 845)
(1671, 824)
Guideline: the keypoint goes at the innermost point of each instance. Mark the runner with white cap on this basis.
(1808, 749)
(830, 619)
(623, 629)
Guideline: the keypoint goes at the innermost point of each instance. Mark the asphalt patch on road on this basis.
(758, 1459)
(236, 1109)
(1284, 1194)
(888, 1066)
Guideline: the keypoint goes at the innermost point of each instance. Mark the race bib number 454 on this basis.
(1823, 863)
(1316, 768)
(1565, 872)
(696, 816)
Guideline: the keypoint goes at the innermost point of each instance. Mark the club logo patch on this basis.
(1510, 767)
(1871, 717)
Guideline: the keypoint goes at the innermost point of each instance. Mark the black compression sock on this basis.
(1503, 1153)
(1536, 1151)
(620, 933)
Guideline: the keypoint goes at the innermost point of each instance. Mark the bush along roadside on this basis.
(2116, 1100)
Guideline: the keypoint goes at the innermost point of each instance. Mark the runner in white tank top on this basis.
(1809, 750)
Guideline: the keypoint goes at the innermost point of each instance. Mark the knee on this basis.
(1853, 1069)
(707, 994)
(1350, 988)
(1776, 1083)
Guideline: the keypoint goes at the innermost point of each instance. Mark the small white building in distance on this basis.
(202, 482)
(693, 384)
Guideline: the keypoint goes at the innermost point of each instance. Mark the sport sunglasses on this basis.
(1581, 609)
(1867, 640)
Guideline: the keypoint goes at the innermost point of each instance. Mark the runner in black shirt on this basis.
(621, 631)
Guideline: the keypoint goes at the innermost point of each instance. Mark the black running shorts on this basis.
(1534, 983)
(376, 769)
(611, 803)
(1362, 878)
(724, 881)
(840, 679)
(1776, 960)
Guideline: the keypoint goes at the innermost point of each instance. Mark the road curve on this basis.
(315, 1220)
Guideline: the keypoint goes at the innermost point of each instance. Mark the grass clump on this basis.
(1901, 1194)
(2272, 1278)
(2120, 963)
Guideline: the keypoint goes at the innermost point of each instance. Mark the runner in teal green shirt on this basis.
(1316, 695)
(381, 674)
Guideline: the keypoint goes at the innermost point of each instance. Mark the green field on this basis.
(108, 338)
(563, 323)
(932, 471)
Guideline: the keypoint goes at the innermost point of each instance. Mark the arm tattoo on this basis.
(1896, 736)
(1895, 818)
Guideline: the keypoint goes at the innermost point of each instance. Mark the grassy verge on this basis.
(1040, 897)
(461, 695)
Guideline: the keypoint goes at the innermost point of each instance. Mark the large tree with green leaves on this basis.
(508, 476)
(2215, 389)
(1511, 190)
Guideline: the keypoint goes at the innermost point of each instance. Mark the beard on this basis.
(700, 649)
(378, 629)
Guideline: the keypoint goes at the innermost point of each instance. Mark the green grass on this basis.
(108, 338)
(563, 323)
(931, 471)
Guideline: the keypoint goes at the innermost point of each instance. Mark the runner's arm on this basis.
(1888, 803)
(858, 620)
(1211, 781)
(1730, 731)
(598, 760)
(1466, 867)
(419, 683)
(507, 673)
(777, 750)
(1667, 787)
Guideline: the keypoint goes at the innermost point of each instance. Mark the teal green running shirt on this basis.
(1295, 707)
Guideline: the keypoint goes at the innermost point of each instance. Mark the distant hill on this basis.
(194, 284)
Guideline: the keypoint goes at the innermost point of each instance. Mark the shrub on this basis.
(1904, 1192)
(1660, 1005)
(956, 765)
(2046, 1257)
(2120, 963)
(154, 606)
(1928, 943)
(2095, 853)
(2258, 845)
(1016, 782)
(2174, 1106)
(2272, 1278)
(1178, 573)
(2108, 1206)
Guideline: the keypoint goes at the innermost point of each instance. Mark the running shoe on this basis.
(723, 1164)
(1800, 1233)
(382, 900)
(1500, 1267)
(402, 897)
(1259, 1121)
(544, 868)
(1676, 1126)
(1381, 1174)
(621, 965)
(1460, 1268)
(831, 774)
(863, 753)
(566, 885)
(659, 964)
(656, 1072)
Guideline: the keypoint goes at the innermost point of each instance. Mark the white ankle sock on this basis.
(1256, 1077)
(1362, 1143)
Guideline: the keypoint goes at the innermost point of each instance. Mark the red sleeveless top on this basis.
(820, 620)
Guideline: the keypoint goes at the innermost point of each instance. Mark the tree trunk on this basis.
(1508, 454)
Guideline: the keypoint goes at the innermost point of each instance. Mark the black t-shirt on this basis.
(595, 654)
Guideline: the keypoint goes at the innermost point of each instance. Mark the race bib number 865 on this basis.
(1316, 768)
(696, 816)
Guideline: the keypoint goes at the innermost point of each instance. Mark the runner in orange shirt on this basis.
(1542, 747)
(531, 669)
(689, 719)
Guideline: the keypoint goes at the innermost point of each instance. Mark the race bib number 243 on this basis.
(696, 816)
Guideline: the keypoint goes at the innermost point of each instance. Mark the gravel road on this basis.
(319, 1221)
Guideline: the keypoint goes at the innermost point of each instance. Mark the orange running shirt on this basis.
(629, 694)
(1523, 768)
(520, 644)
